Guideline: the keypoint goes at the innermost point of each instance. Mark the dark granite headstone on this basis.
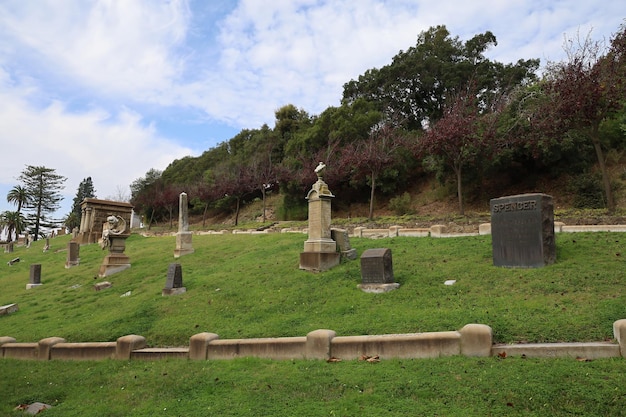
(174, 281)
(73, 250)
(522, 231)
(376, 266)
(35, 274)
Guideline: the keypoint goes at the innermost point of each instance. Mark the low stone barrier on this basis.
(473, 340)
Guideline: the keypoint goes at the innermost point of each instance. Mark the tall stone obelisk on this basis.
(320, 250)
(183, 237)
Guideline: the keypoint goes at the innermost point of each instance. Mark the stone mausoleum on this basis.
(94, 215)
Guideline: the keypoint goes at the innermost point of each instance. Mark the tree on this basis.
(12, 221)
(19, 196)
(85, 190)
(415, 86)
(371, 157)
(455, 138)
(145, 192)
(43, 186)
(581, 93)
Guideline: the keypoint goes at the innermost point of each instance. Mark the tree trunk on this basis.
(459, 189)
(371, 216)
(606, 181)
(237, 213)
(263, 192)
(206, 207)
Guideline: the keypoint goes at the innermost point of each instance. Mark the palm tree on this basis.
(12, 221)
(18, 195)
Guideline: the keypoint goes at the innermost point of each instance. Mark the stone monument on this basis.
(320, 250)
(73, 250)
(377, 271)
(183, 237)
(94, 213)
(174, 282)
(522, 231)
(34, 279)
(114, 235)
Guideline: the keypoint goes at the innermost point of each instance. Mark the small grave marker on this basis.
(35, 276)
(174, 281)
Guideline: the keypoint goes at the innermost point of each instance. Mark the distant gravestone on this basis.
(35, 276)
(174, 281)
(8, 248)
(522, 231)
(73, 250)
(377, 271)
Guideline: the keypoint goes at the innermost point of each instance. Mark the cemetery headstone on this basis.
(377, 271)
(174, 281)
(8, 248)
(320, 250)
(184, 236)
(35, 276)
(343, 243)
(522, 231)
(73, 250)
(13, 261)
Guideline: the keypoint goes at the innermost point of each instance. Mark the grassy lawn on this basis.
(250, 286)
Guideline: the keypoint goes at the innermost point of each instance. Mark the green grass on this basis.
(250, 286)
(454, 386)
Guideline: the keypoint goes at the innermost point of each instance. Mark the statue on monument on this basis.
(115, 225)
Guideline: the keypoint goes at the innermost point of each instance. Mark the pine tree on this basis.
(85, 190)
(43, 186)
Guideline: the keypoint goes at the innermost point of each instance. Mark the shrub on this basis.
(401, 205)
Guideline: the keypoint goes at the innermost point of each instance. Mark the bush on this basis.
(588, 192)
(401, 205)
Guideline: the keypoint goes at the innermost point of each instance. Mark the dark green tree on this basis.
(12, 221)
(43, 187)
(85, 190)
(19, 196)
(414, 87)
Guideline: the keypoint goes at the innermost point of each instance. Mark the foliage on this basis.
(43, 187)
(401, 204)
(85, 190)
(12, 221)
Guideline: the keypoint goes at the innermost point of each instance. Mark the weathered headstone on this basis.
(8, 248)
(13, 261)
(340, 236)
(34, 279)
(377, 271)
(102, 285)
(46, 247)
(320, 250)
(522, 231)
(184, 236)
(73, 250)
(8, 309)
(174, 281)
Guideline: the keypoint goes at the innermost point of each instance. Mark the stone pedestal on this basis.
(116, 260)
(183, 244)
(522, 231)
(320, 250)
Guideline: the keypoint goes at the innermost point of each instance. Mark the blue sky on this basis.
(112, 88)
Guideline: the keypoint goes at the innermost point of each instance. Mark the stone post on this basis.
(73, 250)
(183, 237)
(174, 282)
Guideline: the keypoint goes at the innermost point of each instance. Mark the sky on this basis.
(110, 89)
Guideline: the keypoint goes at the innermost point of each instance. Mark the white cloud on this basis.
(113, 149)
